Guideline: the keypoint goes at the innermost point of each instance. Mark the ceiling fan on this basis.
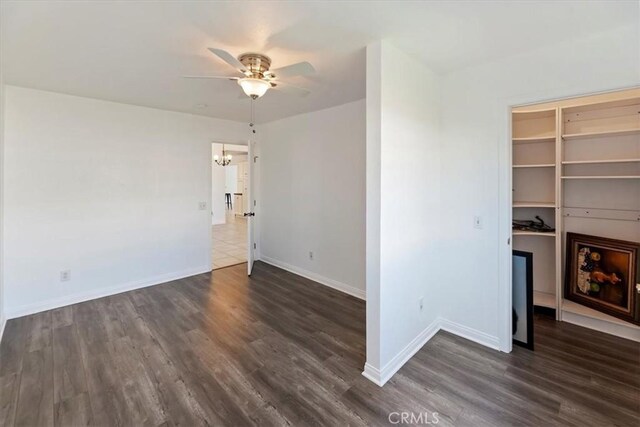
(258, 78)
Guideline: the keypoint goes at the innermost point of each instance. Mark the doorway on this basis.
(230, 182)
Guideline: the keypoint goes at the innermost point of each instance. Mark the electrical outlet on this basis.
(202, 206)
(477, 222)
(65, 275)
(311, 255)
(421, 302)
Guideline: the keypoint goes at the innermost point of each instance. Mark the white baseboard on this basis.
(470, 334)
(381, 376)
(3, 323)
(50, 304)
(372, 374)
(630, 331)
(339, 286)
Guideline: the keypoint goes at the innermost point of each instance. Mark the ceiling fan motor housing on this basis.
(256, 63)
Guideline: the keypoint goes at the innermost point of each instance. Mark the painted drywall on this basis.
(403, 121)
(312, 171)
(218, 181)
(373, 203)
(475, 162)
(108, 191)
(231, 179)
(2, 110)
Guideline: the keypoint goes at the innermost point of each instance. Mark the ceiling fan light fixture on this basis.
(254, 88)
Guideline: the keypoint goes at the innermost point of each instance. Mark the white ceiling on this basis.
(136, 52)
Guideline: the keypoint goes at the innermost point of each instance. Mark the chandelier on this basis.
(226, 158)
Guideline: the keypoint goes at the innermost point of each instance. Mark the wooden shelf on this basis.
(527, 113)
(534, 205)
(589, 135)
(603, 177)
(597, 162)
(575, 308)
(544, 299)
(533, 233)
(596, 104)
(545, 165)
(534, 139)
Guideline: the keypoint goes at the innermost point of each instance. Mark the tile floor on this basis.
(229, 242)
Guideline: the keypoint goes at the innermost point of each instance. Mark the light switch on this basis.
(477, 222)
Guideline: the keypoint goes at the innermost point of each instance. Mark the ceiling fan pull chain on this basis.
(251, 123)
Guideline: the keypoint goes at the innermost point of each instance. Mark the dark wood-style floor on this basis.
(278, 349)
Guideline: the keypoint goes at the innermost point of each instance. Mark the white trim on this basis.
(381, 376)
(505, 244)
(630, 332)
(50, 304)
(372, 374)
(3, 323)
(470, 334)
(339, 286)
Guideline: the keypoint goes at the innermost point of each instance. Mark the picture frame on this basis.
(522, 298)
(603, 274)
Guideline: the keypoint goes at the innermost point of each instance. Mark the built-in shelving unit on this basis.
(576, 165)
(534, 173)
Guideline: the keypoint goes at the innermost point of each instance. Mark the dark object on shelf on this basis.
(522, 298)
(536, 226)
(604, 274)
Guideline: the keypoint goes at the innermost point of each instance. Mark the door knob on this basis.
(249, 214)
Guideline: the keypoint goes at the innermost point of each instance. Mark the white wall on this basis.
(373, 205)
(475, 162)
(231, 179)
(218, 182)
(2, 111)
(312, 195)
(108, 191)
(403, 234)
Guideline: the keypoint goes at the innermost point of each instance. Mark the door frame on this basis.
(251, 193)
(210, 197)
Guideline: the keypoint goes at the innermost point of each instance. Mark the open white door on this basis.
(250, 215)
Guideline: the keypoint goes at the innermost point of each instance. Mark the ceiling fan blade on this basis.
(299, 69)
(229, 59)
(291, 89)
(211, 77)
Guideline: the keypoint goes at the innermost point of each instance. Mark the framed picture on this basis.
(603, 274)
(522, 298)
